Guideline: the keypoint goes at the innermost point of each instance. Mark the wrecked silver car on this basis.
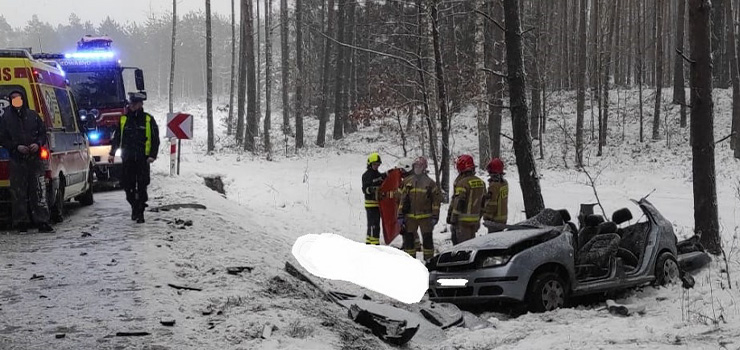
(545, 260)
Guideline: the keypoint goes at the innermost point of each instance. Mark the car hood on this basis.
(502, 240)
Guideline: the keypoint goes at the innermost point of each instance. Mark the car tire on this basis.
(57, 210)
(666, 270)
(86, 199)
(547, 291)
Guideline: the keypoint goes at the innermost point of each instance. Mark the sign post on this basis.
(179, 127)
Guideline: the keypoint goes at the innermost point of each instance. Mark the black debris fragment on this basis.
(184, 287)
(86, 234)
(395, 332)
(169, 207)
(60, 336)
(132, 334)
(37, 277)
(235, 270)
(168, 322)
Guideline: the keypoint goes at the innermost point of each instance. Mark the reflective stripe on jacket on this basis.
(420, 197)
(467, 203)
(497, 201)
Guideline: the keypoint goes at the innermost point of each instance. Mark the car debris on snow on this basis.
(132, 334)
(37, 277)
(60, 335)
(235, 270)
(624, 309)
(267, 331)
(169, 207)
(167, 321)
(184, 287)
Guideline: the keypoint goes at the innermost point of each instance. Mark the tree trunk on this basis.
(641, 67)
(732, 53)
(285, 70)
(252, 121)
(268, 77)
(702, 126)
(658, 68)
(484, 146)
(323, 113)
(299, 74)
(209, 73)
(604, 122)
(172, 62)
(421, 35)
(581, 81)
(442, 101)
(536, 83)
(528, 176)
(679, 91)
(230, 120)
(595, 63)
(339, 73)
(242, 85)
(349, 64)
(258, 66)
(496, 87)
(720, 70)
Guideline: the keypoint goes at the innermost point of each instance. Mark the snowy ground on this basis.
(269, 203)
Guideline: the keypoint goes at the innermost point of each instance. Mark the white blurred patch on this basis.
(383, 269)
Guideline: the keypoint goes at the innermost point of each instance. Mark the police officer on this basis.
(371, 181)
(137, 136)
(23, 134)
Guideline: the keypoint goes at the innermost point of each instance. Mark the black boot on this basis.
(45, 228)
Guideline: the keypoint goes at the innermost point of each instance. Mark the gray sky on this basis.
(19, 12)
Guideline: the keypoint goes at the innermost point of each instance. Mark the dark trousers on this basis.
(27, 189)
(134, 180)
(373, 226)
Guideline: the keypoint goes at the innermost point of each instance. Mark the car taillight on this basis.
(44, 153)
(4, 174)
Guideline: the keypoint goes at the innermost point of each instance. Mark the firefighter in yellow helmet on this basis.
(371, 181)
(464, 213)
(419, 208)
(495, 207)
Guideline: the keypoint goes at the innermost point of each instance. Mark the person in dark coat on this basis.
(371, 181)
(23, 134)
(137, 136)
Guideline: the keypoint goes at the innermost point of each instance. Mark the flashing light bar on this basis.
(94, 136)
(90, 55)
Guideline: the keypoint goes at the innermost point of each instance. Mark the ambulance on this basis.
(69, 165)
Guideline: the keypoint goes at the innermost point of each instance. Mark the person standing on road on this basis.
(137, 136)
(465, 208)
(419, 208)
(371, 181)
(23, 134)
(496, 202)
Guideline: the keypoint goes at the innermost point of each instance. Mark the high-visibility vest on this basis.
(148, 144)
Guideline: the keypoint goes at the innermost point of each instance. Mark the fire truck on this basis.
(96, 76)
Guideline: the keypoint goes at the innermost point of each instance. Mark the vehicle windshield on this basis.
(98, 89)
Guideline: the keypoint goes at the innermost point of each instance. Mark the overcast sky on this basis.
(19, 12)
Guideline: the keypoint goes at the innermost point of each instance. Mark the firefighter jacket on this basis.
(420, 198)
(137, 136)
(467, 203)
(496, 201)
(371, 181)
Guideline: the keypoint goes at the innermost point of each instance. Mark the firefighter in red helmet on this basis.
(419, 208)
(496, 201)
(465, 209)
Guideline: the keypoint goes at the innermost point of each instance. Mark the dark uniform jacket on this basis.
(420, 197)
(371, 181)
(134, 142)
(22, 127)
(467, 203)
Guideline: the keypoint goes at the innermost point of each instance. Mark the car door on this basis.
(75, 146)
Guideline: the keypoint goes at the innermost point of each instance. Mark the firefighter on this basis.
(406, 165)
(464, 213)
(137, 136)
(371, 181)
(23, 134)
(419, 208)
(495, 207)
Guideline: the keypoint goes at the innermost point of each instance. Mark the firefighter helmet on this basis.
(495, 166)
(373, 158)
(465, 163)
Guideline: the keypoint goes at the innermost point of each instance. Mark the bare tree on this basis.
(658, 68)
(268, 77)
(209, 73)
(339, 72)
(242, 85)
(230, 119)
(496, 83)
(323, 113)
(442, 100)
(581, 82)
(732, 53)
(284, 65)
(252, 121)
(299, 74)
(484, 146)
(679, 91)
(172, 62)
(702, 126)
(528, 177)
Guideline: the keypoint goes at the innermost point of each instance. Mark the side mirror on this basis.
(139, 77)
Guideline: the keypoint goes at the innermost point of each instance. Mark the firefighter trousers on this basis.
(27, 188)
(134, 180)
(410, 236)
(373, 226)
(464, 231)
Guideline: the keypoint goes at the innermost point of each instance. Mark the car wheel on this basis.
(547, 292)
(86, 198)
(666, 270)
(57, 210)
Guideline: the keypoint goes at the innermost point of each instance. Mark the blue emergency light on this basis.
(90, 55)
(93, 135)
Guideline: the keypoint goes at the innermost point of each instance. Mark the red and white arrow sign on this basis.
(180, 126)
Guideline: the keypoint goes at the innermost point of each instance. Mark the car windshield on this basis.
(98, 89)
